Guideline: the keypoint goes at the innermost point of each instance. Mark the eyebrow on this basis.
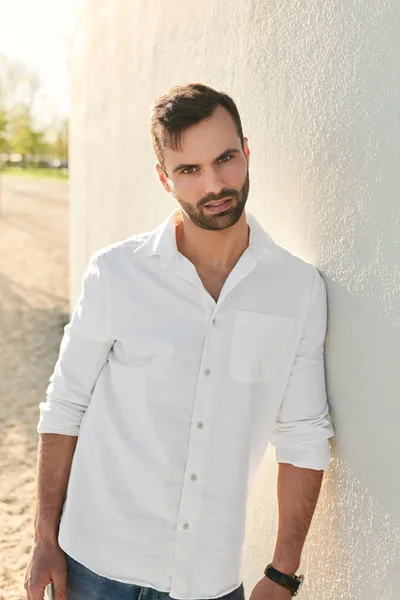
(186, 166)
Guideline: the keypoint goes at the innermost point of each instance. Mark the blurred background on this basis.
(317, 84)
(34, 110)
(34, 88)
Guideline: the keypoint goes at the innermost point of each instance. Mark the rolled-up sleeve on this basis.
(83, 353)
(303, 426)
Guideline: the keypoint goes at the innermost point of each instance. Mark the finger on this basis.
(26, 586)
(36, 592)
(60, 588)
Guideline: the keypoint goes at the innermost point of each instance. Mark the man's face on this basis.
(211, 167)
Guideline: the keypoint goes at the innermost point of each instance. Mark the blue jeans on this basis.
(83, 584)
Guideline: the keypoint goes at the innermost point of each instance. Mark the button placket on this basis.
(196, 459)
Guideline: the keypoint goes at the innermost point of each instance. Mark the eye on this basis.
(226, 158)
(188, 171)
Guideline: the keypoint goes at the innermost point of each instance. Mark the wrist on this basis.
(44, 532)
(50, 538)
(289, 567)
(291, 583)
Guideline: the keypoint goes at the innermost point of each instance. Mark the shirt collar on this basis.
(162, 240)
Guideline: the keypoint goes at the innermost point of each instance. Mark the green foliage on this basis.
(37, 172)
(23, 138)
(3, 131)
(60, 146)
(19, 133)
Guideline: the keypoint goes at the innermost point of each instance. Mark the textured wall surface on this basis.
(318, 87)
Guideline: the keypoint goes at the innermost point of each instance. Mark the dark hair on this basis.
(181, 107)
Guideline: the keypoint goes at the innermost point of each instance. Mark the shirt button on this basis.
(186, 526)
(214, 321)
(193, 477)
(207, 372)
(200, 425)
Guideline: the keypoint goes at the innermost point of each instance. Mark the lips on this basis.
(218, 202)
(219, 206)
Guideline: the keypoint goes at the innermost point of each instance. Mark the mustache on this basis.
(223, 194)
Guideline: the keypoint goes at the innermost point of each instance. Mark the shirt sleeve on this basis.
(303, 426)
(83, 353)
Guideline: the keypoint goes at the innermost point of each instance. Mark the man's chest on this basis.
(213, 282)
(162, 323)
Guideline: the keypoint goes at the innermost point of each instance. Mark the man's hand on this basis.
(47, 564)
(266, 589)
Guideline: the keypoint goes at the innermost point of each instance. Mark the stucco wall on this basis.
(318, 87)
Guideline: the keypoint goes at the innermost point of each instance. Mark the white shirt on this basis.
(175, 398)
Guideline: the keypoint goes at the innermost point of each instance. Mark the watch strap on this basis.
(291, 583)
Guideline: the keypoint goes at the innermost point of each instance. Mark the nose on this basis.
(213, 184)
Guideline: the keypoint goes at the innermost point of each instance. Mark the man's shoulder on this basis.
(288, 264)
(291, 263)
(120, 248)
(296, 276)
(295, 262)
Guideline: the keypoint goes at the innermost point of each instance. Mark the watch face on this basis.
(301, 581)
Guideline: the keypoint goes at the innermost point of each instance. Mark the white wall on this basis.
(318, 87)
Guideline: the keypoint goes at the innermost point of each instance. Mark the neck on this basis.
(216, 251)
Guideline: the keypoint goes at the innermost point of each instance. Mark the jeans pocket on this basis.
(237, 594)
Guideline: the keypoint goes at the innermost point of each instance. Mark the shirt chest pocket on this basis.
(259, 345)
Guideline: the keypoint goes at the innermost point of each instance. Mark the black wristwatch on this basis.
(290, 583)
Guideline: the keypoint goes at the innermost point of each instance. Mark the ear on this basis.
(246, 150)
(163, 177)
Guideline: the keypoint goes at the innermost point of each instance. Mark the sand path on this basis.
(33, 312)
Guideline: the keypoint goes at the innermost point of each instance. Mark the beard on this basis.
(224, 219)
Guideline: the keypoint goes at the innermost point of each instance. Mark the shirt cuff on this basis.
(60, 416)
(313, 455)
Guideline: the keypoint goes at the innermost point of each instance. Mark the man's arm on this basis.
(55, 455)
(83, 353)
(298, 491)
(84, 350)
(301, 435)
(303, 426)
(47, 562)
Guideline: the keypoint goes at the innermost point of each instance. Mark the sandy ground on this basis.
(33, 312)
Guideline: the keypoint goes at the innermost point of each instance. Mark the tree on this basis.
(24, 139)
(61, 142)
(3, 131)
(18, 85)
(19, 133)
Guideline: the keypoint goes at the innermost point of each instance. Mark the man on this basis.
(190, 348)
